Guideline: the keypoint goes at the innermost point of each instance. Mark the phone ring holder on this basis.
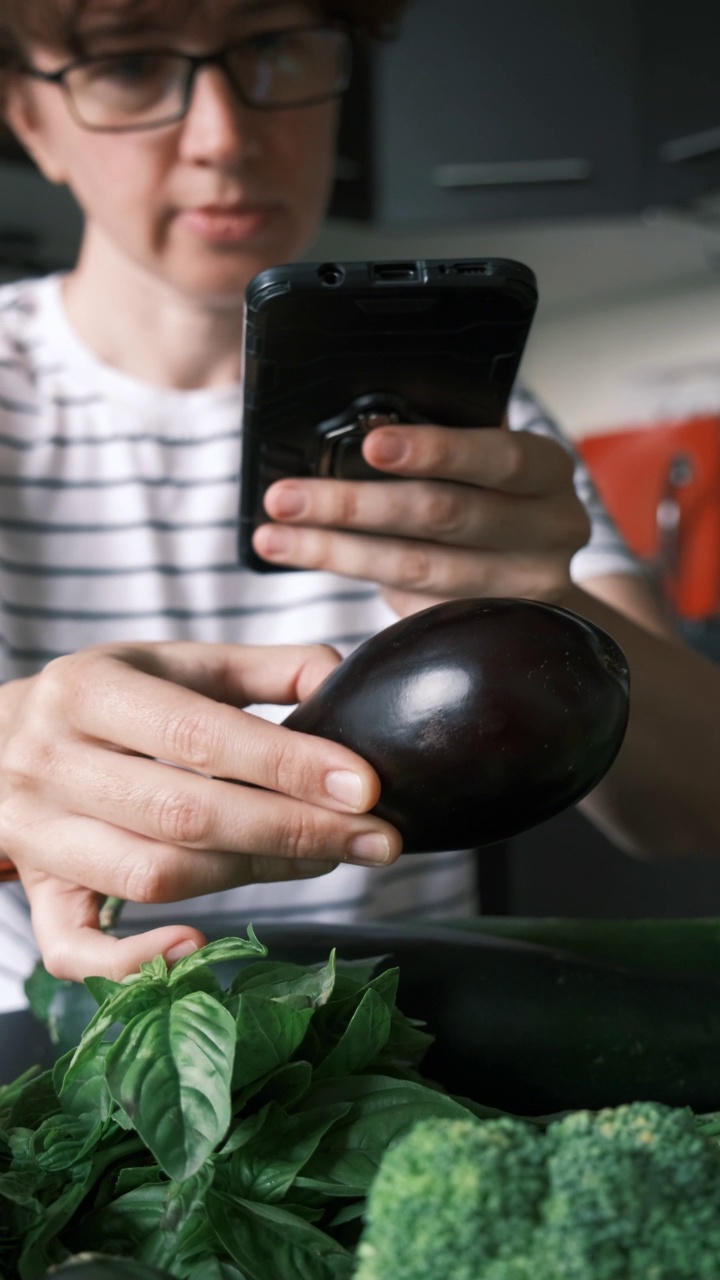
(341, 437)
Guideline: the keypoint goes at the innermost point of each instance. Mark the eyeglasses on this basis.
(148, 88)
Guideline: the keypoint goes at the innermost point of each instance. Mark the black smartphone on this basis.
(334, 349)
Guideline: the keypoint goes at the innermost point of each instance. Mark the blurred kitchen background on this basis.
(584, 140)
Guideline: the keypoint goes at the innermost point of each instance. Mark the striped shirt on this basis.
(118, 522)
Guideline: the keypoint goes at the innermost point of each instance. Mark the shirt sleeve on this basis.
(606, 551)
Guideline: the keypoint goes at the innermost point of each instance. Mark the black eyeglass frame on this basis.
(194, 62)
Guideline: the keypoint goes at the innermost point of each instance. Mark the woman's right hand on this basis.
(133, 771)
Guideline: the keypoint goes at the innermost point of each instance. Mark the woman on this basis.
(198, 140)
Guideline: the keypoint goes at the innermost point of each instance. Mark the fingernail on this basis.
(274, 542)
(388, 448)
(181, 949)
(370, 849)
(346, 787)
(287, 502)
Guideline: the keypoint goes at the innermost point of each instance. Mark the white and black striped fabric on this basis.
(118, 522)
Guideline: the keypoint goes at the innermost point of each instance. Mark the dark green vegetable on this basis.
(523, 1027)
(630, 1193)
(481, 717)
(224, 1133)
(533, 1029)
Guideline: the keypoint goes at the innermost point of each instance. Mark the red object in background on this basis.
(661, 484)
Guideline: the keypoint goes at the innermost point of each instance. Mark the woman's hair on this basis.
(54, 22)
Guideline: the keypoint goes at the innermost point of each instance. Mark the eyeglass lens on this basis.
(275, 68)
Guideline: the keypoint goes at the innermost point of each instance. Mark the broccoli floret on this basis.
(634, 1192)
(451, 1196)
(626, 1193)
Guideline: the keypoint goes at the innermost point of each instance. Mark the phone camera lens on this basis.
(331, 273)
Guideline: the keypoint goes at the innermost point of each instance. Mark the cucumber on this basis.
(676, 947)
(532, 1029)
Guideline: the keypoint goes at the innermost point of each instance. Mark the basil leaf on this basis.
(216, 952)
(364, 1037)
(214, 1269)
(170, 1072)
(97, 1266)
(121, 1226)
(287, 1086)
(268, 1033)
(289, 982)
(272, 1147)
(267, 1241)
(383, 1108)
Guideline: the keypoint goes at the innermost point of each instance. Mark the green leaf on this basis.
(29, 1100)
(268, 1033)
(129, 1001)
(286, 1085)
(122, 1225)
(170, 1071)
(60, 1143)
(223, 949)
(270, 1149)
(383, 1108)
(154, 970)
(364, 1037)
(267, 1241)
(85, 1093)
(289, 982)
(40, 1247)
(214, 1269)
(40, 988)
(98, 1266)
(102, 989)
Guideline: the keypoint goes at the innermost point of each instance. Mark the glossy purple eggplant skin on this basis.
(481, 717)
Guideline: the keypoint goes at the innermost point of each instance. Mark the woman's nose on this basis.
(218, 128)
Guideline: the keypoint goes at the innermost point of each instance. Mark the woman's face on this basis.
(207, 202)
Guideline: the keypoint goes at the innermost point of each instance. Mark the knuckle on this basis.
(549, 579)
(26, 757)
(150, 880)
(182, 819)
(190, 740)
(301, 837)
(570, 527)
(443, 511)
(290, 773)
(346, 505)
(414, 570)
(513, 455)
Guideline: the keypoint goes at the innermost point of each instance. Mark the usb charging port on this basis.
(471, 268)
(396, 271)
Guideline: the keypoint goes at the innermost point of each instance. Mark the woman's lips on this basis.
(228, 224)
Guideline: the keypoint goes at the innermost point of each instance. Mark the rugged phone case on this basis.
(333, 349)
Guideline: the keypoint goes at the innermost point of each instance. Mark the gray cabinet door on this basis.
(489, 112)
(680, 92)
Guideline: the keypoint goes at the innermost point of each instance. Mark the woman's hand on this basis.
(484, 512)
(132, 771)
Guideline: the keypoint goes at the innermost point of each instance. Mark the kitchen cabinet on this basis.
(680, 92)
(526, 109)
(534, 109)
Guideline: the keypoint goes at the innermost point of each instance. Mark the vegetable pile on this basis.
(238, 1118)
(214, 1132)
(629, 1193)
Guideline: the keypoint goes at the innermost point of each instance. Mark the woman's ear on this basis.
(25, 118)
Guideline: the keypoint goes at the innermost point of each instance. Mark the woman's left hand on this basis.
(481, 512)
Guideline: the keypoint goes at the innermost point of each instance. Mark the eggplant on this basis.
(481, 717)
